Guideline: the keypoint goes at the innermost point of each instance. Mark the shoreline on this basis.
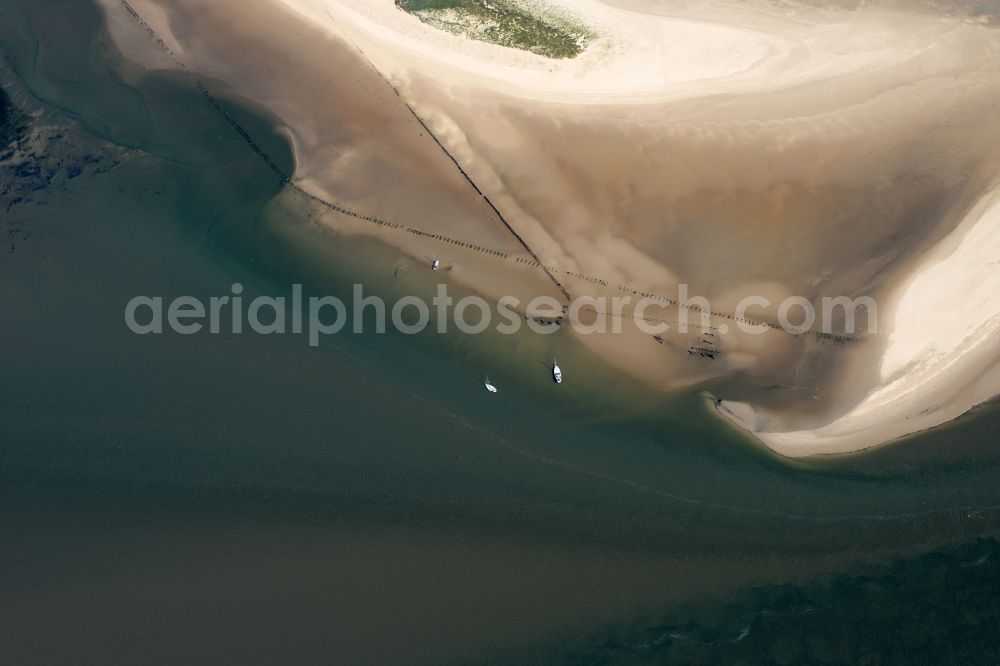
(576, 238)
(931, 373)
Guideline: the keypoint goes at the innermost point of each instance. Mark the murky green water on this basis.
(206, 499)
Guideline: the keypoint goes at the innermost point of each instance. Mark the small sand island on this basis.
(586, 148)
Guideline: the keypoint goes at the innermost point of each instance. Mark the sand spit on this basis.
(739, 149)
(941, 357)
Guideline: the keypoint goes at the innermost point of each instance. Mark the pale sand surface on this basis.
(757, 149)
(941, 355)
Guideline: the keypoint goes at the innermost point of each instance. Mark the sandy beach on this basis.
(739, 149)
(940, 358)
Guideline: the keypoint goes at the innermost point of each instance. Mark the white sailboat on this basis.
(556, 372)
(435, 264)
(489, 386)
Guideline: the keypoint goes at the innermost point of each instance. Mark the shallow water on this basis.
(248, 498)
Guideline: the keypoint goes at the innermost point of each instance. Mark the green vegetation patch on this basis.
(504, 22)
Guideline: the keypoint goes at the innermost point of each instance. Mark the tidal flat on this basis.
(200, 499)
